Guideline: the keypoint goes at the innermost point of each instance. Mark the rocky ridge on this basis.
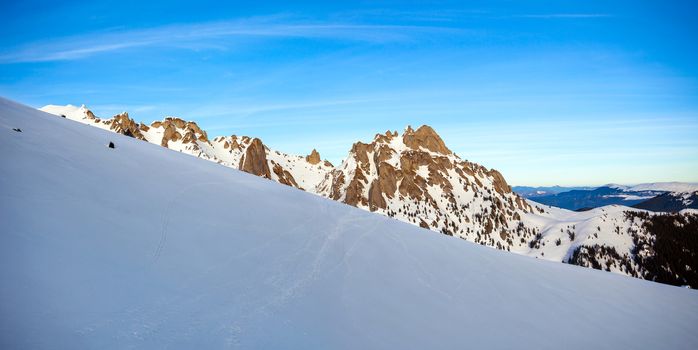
(240, 152)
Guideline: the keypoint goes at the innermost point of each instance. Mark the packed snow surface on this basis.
(142, 247)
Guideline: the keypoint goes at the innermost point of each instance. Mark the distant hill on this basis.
(533, 192)
(581, 199)
(657, 196)
(671, 202)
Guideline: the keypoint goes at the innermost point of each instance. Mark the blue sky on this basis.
(547, 92)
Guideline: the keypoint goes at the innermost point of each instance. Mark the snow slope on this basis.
(142, 247)
(605, 226)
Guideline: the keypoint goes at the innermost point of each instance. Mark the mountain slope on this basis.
(415, 178)
(122, 248)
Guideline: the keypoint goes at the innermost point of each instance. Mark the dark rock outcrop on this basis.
(313, 157)
(255, 159)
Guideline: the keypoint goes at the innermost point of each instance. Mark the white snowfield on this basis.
(141, 247)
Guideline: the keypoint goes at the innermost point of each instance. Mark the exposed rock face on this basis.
(170, 134)
(376, 200)
(500, 185)
(255, 160)
(424, 137)
(313, 157)
(88, 113)
(122, 124)
(284, 176)
(176, 129)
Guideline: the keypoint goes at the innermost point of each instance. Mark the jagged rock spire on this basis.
(313, 158)
(255, 159)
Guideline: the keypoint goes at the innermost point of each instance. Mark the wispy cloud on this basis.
(451, 15)
(229, 110)
(202, 36)
(562, 15)
(432, 15)
(454, 15)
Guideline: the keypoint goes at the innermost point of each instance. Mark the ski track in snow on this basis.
(166, 216)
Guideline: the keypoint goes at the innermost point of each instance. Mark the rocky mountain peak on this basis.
(88, 113)
(123, 124)
(385, 138)
(424, 137)
(177, 129)
(313, 158)
(424, 183)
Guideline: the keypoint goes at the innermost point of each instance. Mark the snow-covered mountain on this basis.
(660, 197)
(139, 247)
(677, 187)
(413, 177)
